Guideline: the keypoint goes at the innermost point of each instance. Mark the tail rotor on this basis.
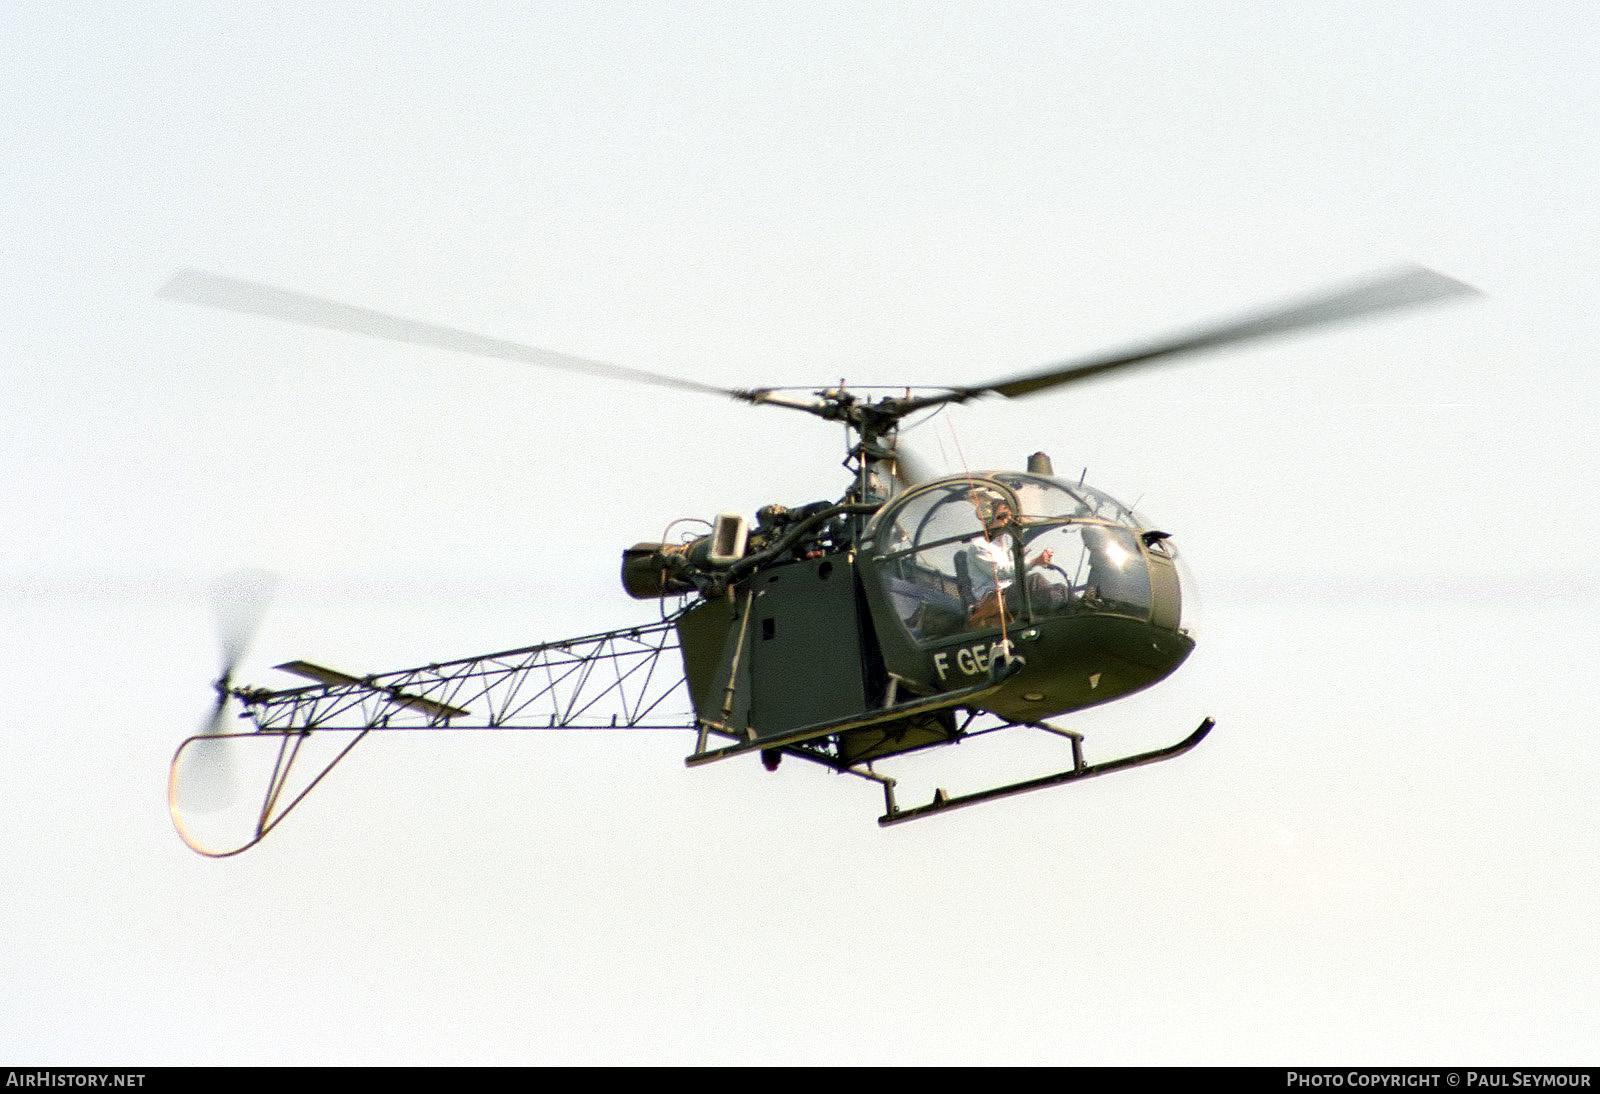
(204, 782)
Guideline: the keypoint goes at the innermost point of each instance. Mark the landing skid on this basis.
(1080, 770)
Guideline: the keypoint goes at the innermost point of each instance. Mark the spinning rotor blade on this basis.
(909, 466)
(205, 780)
(240, 600)
(253, 298)
(1407, 287)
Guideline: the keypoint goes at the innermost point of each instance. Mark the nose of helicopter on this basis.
(1129, 625)
(1079, 661)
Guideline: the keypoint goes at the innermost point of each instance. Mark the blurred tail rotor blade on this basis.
(205, 774)
(205, 778)
(240, 600)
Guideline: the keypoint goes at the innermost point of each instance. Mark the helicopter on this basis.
(915, 612)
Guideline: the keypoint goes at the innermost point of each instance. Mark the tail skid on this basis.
(279, 799)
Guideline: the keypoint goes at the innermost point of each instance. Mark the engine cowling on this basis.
(651, 571)
(654, 571)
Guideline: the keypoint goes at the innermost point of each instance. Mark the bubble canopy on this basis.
(961, 556)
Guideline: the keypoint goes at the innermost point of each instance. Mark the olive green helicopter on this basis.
(914, 612)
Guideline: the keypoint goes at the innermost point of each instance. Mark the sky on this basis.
(1386, 851)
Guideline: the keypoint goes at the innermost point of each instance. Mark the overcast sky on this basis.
(1386, 852)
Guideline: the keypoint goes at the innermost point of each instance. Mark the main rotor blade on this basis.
(909, 466)
(253, 298)
(1407, 287)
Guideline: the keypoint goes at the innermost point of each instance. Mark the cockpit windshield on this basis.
(1048, 499)
(959, 557)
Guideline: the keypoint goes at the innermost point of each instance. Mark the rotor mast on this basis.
(873, 451)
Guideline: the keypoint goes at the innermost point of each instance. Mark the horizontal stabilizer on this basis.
(335, 678)
(318, 673)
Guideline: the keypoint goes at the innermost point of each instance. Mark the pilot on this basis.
(991, 568)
